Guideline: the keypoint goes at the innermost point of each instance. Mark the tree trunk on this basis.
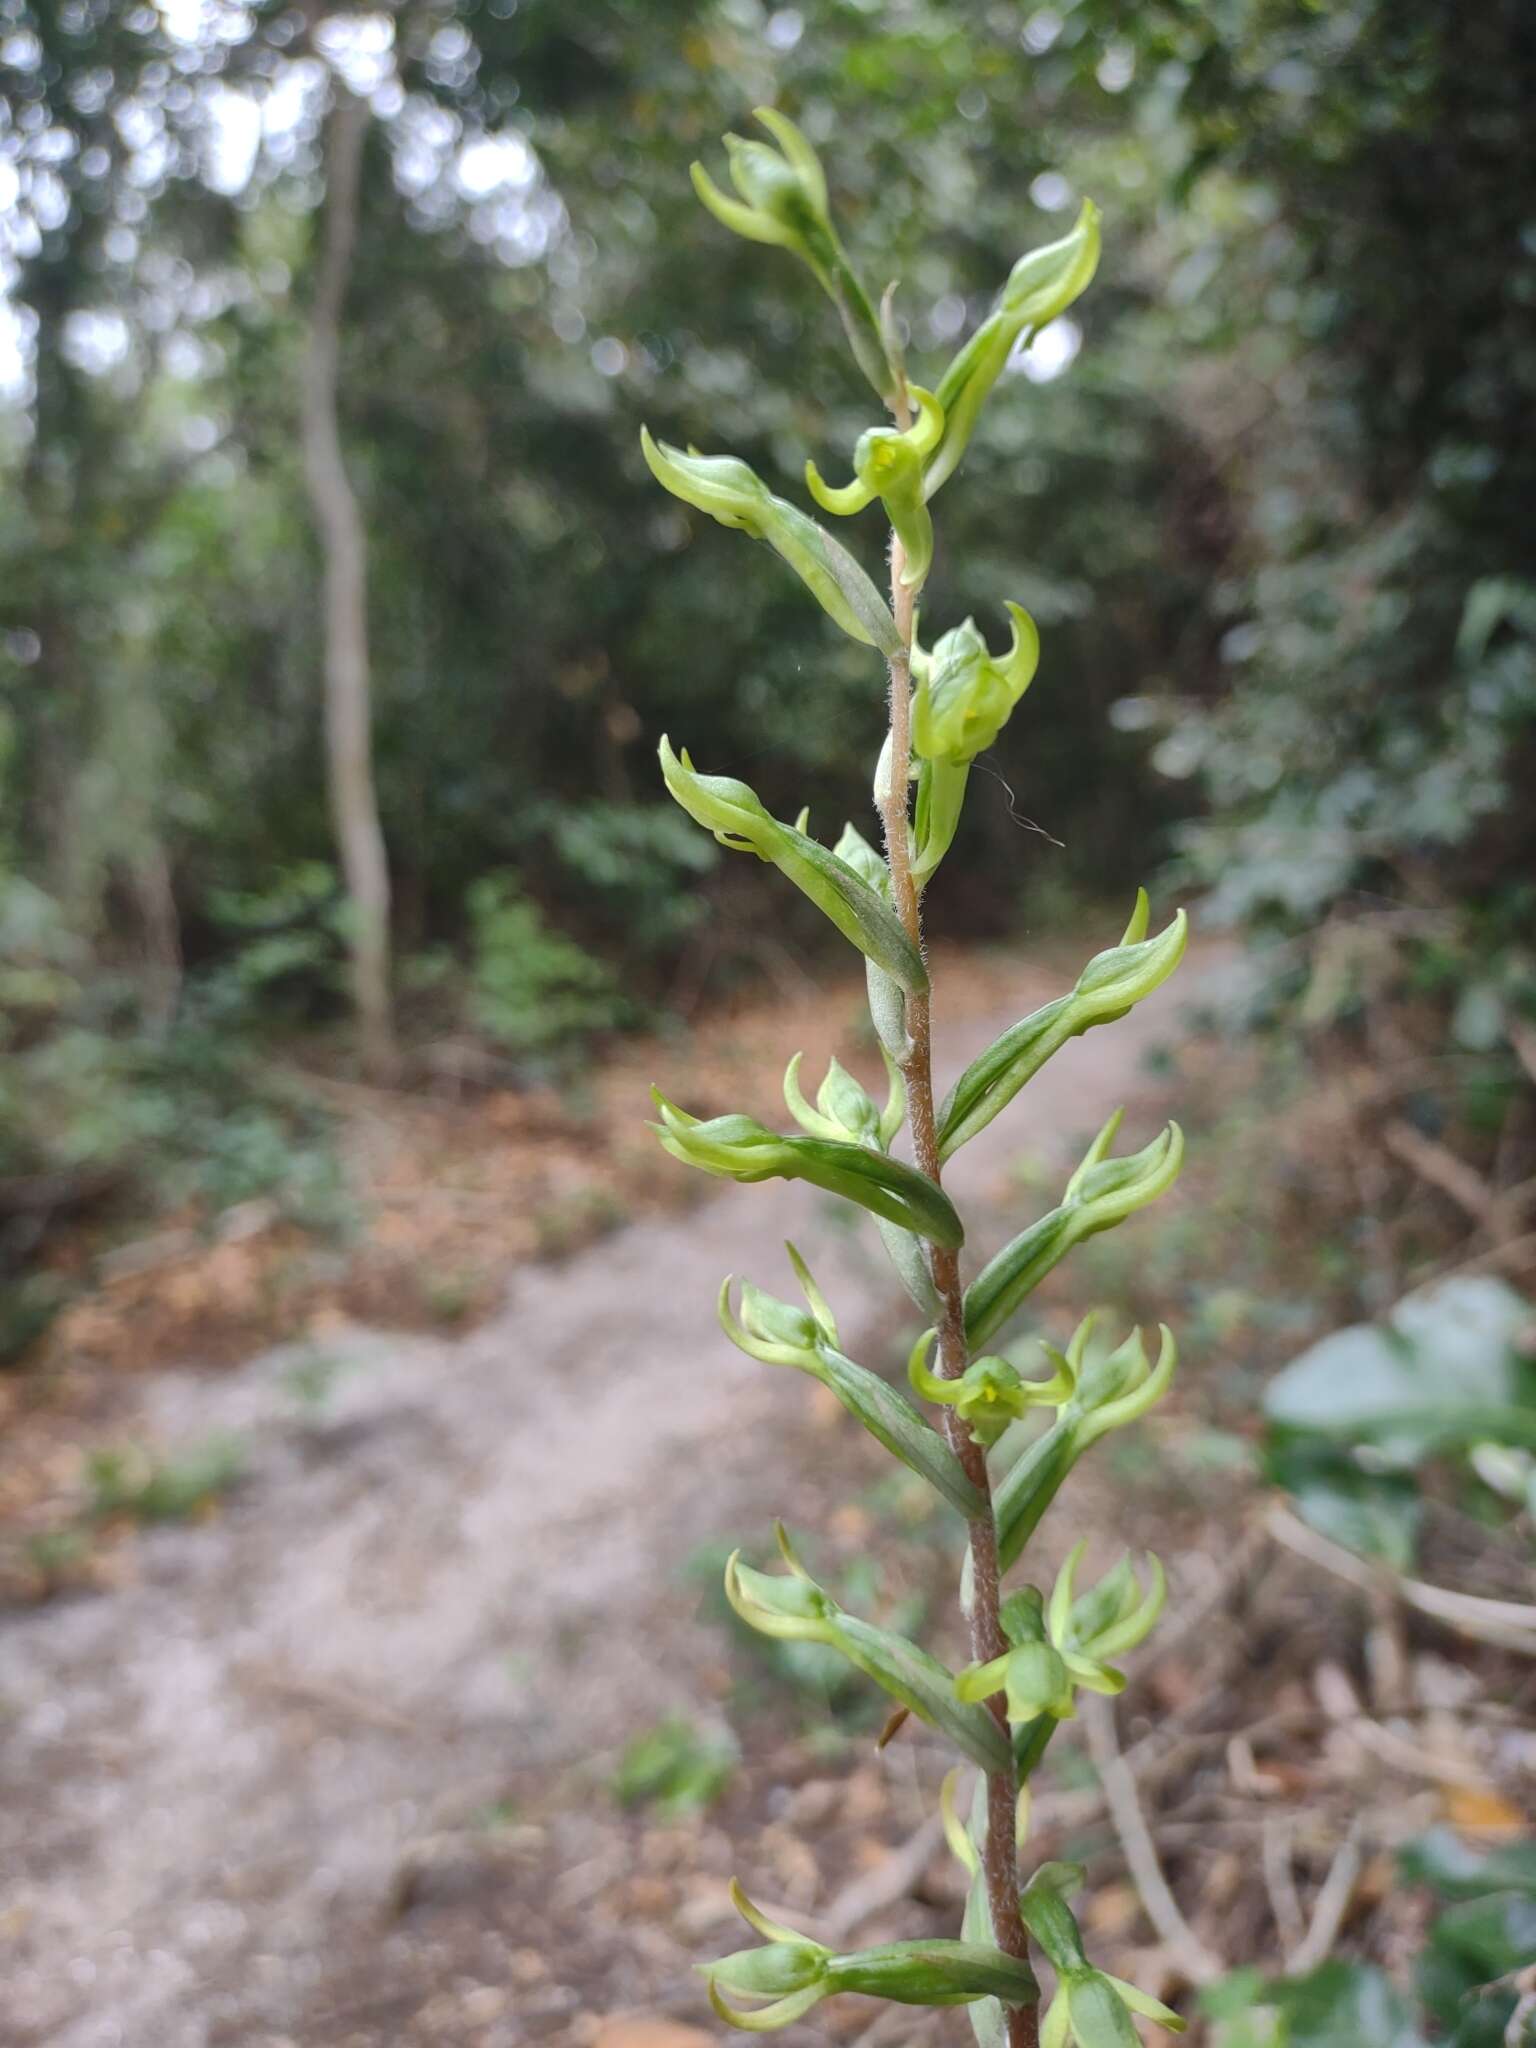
(348, 710)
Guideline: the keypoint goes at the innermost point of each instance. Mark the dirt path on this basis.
(214, 1772)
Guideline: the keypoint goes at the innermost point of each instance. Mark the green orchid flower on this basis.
(989, 1395)
(888, 464)
(1057, 1650)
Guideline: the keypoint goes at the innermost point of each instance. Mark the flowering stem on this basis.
(987, 1641)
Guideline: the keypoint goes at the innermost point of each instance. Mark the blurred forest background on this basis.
(339, 618)
(1273, 520)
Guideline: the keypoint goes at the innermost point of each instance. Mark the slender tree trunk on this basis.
(348, 707)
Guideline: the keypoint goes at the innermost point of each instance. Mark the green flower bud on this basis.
(733, 813)
(795, 1973)
(1110, 985)
(1102, 1193)
(784, 202)
(1041, 285)
(1116, 1616)
(737, 1147)
(964, 697)
(844, 1108)
(732, 492)
(791, 1971)
(888, 465)
(1094, 2010)
(768, 1329)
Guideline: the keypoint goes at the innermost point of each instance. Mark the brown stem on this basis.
(1000, 1861)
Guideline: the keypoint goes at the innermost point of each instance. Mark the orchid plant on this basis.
(1031, 1655)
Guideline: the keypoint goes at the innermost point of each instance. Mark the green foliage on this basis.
(1355, 1420)
(1482, 1937)
(534, 991)
(146, 1487)
(1031, 1658)
(675, 1768)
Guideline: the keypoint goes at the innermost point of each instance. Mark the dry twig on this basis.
(1184, 1946)
(1507, 1624)
(1331, 1905)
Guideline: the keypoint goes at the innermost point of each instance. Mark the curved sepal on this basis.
(1102, 1193)
(1110, 985)
(1041, 285)
(796, 1609)
(732, 492)
(735, 815)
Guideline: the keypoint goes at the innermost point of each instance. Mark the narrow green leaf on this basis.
(732, 492)
(934, 1973)
(910, 1265)
(794, 1608)
(921, 1682)
(892, 1420)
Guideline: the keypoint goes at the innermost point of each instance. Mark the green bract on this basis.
(1040, 287)
(738, 1147)
(796, 1609)
(728, 490)
(964, 697)
(1030, 1657)
(733, 813)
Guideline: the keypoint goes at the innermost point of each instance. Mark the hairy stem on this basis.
(1000, 1856)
